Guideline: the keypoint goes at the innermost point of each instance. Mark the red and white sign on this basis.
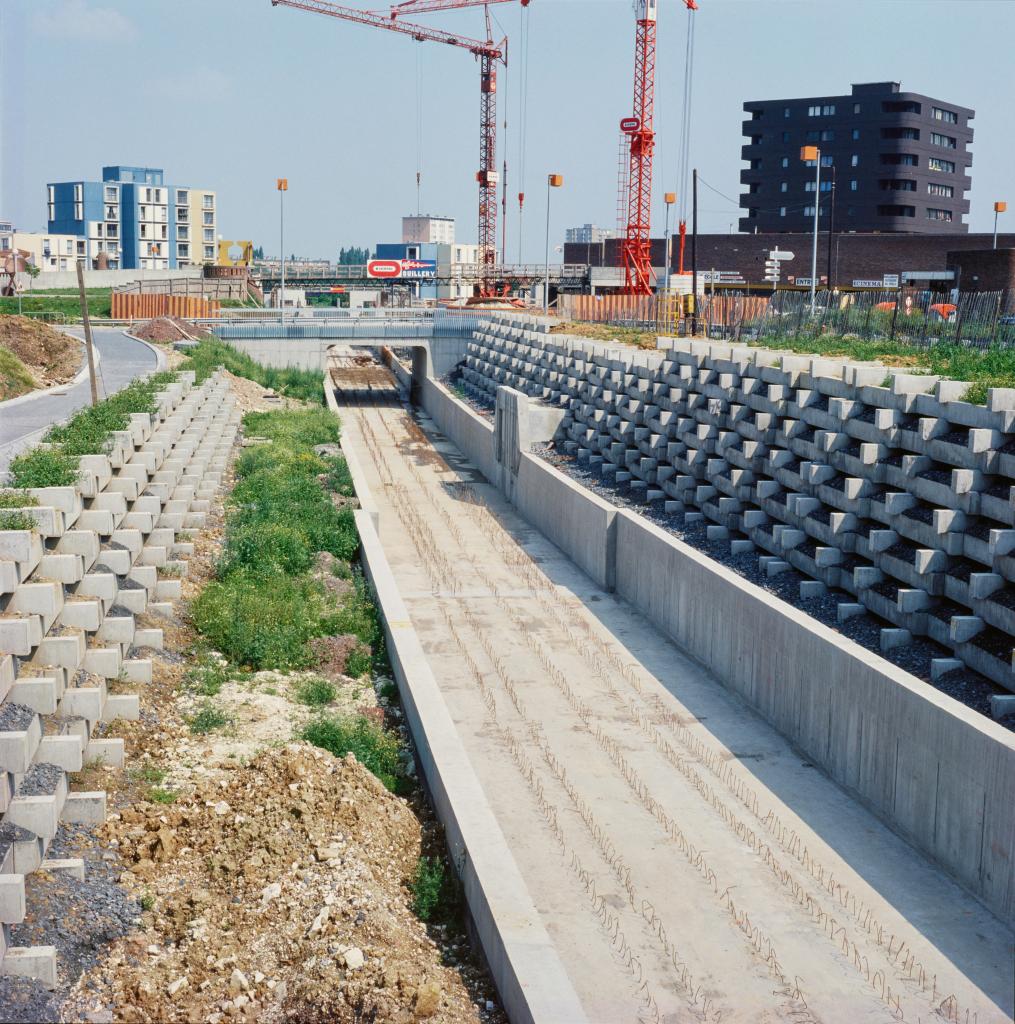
(384, 268)
(630, 124)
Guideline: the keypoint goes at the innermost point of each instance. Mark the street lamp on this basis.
(282, 184)
(813, 153)
(998, 208)
(669, 198)
(552, 181)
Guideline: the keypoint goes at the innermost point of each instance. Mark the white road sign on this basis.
(780, 254)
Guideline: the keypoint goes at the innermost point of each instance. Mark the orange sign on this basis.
(282, 184)
(809, 153)
(1000, 207)
(556, 180)
(669, 198)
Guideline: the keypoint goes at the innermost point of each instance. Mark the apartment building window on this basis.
(98, 229)
(948, 116)
(900, 159)
(853, 184)
(785, 161)
(808, 211)
(110, 213)
(69, 247)
(79, 211)
(854, 160)
(785, 111)
(809, 186)
(891, 210)
(181, 197)
(782, 211)
(827, 161)
(182, 215)
(939, 214)
(183, 232)
(755, 165)
(158, 196)
(785, 136)
(821, 110)
(942, 140)
(936, 164)
(110, 193)
(856, 108)
(945, 191)
(112, 230)
(81, 248)
(209, 235)
(813, 136)
(856, 134)
(78, 197)
(783, 186)
(163, 231)
(208, 202)
(901, 107)
(209, 252)
(209, 218)
(148, 195)
(898, 185)
(183, 251)
(143, 231)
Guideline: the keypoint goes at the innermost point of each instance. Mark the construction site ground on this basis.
(242, 874)
(49, 356)
(688, 864)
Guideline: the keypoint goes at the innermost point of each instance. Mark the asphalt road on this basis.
(24, 421)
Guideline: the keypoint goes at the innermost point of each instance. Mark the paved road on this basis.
(687, 864)
(121, 360)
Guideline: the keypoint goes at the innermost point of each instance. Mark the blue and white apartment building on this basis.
(133, 220)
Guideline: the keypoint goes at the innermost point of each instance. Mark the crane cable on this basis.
(685, 134)
(419, 128)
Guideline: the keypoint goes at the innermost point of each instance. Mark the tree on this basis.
(259, 253)
(353, 256)
(33, 272)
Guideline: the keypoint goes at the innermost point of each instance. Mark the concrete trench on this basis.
(682, 859)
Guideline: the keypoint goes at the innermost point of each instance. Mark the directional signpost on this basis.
(773, 265)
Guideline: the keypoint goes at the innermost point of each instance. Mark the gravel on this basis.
(41, 780)
(964, 685)
(78, 918)
(15, 717)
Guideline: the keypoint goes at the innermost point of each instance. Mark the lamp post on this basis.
(282, 184)
(669, 198)
(813, 153)
(998, 208)
(552, 181)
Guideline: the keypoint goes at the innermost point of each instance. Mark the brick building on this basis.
(857, 260)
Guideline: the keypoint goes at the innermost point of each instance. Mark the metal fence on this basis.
(921, 318)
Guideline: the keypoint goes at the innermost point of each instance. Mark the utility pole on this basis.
(813, 153)
(694, 252)
(552, 181)
(831, 231)
(88, 331)
(998, 208)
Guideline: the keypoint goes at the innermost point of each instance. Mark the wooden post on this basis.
(88, 332)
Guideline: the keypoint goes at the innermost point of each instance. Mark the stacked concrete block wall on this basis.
(881, 484)
(102, 553)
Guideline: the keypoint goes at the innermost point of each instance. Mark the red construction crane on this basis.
(636, 248)
(489, 54)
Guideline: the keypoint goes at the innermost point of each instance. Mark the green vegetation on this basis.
(209, 675)
(86, 433)
(16, 520)
(315, 692)
(17, 499)
(425, 886)
(212, 353)
(147, 901)
(14, 376)
(158, 795)
(374, 748)
(360, 617)
(207, 719)
(147, 773)
(63, 301)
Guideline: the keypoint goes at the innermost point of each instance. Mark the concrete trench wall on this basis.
(933, 770)
(70, 591)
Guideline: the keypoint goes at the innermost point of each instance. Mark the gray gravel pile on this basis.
(964, 685)
(15, 717)
(78, 918)
(41, 780)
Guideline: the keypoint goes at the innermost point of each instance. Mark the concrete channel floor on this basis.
(687, 863)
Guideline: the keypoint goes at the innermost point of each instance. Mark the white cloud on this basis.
(79, 19)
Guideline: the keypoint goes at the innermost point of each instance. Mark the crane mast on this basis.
(489, 54)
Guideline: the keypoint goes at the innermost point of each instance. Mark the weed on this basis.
(427, 882)
(315, 692)
(358, 662)
(147, 901)
(170, 571)
(209, 675)
(388, 691)
(163, 796)
(211, 353)
(17, 499)
(16, 521)
(207, 719)
(44, 467)
(374, 748)
(146, 773)
(271, 690)
(15, 378)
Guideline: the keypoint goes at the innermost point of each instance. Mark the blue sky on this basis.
(230, 94)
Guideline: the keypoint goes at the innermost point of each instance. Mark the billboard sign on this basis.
(418, 269)
(630, 124)
(384, 268)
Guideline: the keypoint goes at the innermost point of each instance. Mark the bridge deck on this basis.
(686, 862)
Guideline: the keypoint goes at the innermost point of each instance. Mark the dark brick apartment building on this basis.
(898, 162)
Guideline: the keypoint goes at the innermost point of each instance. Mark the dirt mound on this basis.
(50, 356)
(277, 892)
(168, 329)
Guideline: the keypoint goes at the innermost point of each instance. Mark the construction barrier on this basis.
(145, 307)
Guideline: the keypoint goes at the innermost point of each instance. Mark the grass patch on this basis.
(374, 748)
(100, 303)
(15, 377)
(86, 433)
(12, 520)
(209, 675)
(207, 719)
(315, 692)
(147, 773)
(426, 884)
(211, 353)
(147, 901)
(162, 796)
